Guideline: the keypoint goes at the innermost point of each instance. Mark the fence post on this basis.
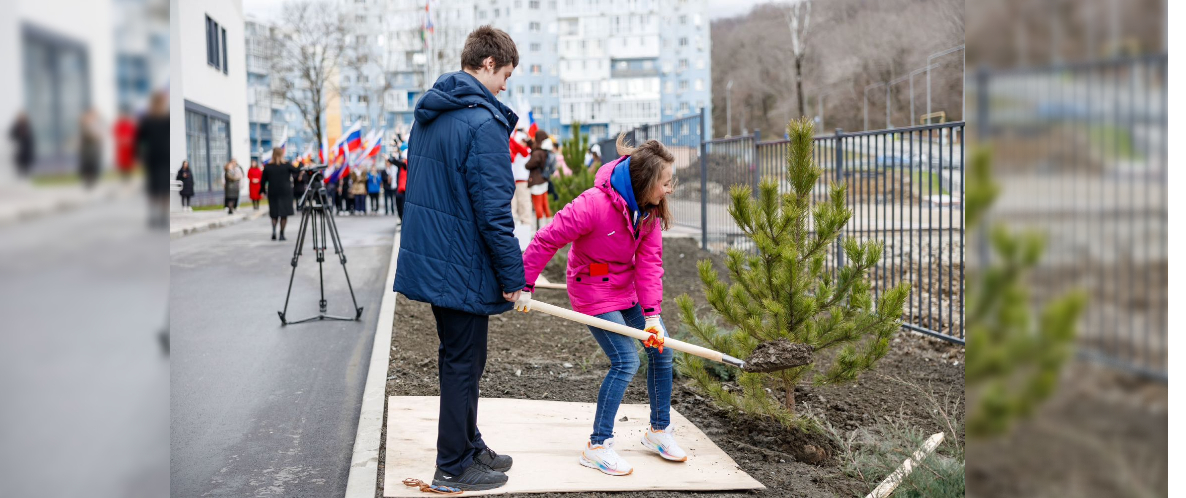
(838, 174)
(646, 135)
(982, 134)
(756, 166)
(703, 185)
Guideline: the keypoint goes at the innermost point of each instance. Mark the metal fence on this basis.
(1080, 152)
(905, 188)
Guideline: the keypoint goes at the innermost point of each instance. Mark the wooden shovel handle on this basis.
(618, 328)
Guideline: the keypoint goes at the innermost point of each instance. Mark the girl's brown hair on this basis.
(646, 164)
(277, 155)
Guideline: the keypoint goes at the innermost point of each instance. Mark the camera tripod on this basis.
(317, 223)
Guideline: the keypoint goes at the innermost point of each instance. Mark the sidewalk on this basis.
(186, 223)
(21, 201)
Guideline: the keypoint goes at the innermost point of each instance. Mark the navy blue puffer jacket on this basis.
(458, 248)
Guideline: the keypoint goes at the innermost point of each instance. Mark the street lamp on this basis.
(929, 58)
(729, 109)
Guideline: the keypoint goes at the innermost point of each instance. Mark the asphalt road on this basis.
(84, 382)
(259, 409)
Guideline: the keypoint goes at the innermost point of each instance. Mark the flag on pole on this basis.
(376, 144)
(532, 128)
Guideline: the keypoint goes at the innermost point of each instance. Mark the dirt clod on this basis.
(779, 354)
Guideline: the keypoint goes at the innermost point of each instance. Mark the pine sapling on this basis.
(785, 292)
(1013, 362)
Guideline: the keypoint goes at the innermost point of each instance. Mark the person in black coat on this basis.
(186, 177)
(152, 145)
(276, 182)
(22, 133)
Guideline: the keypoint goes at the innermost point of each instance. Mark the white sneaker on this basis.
(603, 457)
(663, 442)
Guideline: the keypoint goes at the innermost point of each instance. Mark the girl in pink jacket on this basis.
(615, 272)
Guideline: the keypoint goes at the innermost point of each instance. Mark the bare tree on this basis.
(371, 80)
(798, 18)
(305, 52)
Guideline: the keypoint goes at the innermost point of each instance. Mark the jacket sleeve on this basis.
(490, 185)
(518, 149)
(536, 161)
(648, 270)
(263, 183)
(570, 224)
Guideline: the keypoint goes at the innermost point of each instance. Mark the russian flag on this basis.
(354, 140)
(533, 128)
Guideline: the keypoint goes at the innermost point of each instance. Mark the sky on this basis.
(266, 9)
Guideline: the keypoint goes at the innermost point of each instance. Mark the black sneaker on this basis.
(489, 458)
(476, 477)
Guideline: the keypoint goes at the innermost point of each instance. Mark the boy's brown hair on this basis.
(646, 163)
(489, 42)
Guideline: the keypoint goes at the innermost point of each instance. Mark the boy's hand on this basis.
(523, 303)
(511, 296)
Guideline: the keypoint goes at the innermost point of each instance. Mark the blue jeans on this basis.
(624, 363)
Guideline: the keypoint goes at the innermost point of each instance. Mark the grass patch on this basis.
(871, 454)
(927, 183)
(1112, 141)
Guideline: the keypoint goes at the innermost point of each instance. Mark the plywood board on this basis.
(545, 438)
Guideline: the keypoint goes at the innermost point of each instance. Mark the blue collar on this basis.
(620, 181)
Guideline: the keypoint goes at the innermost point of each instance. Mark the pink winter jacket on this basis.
(598, 226)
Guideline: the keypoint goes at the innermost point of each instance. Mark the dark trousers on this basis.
(388, 202)
(185, 200)
(399, 205)
(360, 203)
(461, 359)
(374, 201)
(232, 203)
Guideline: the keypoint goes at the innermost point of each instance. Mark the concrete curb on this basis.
(175, 233)
(364, 463)
(21, 213)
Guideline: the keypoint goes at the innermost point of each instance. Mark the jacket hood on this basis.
(459, 90)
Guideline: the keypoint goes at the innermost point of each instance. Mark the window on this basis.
(683, 64)
(361, 40)
(683, 108)
(683, 19)
(519, 90)
(518, 4)
(533, 26)
(537, 89)
(535, 47)
(533, 4)
(346, 79)
(212, 50)
(364, 79)
(225, 61)
(700, 63)
(553, 90)
(683, 85)
(207, 145)
(683, 41)
(362, 99)
(699, 84)
(535, 69)
(669, 87)
(360, 18)
(555, 111)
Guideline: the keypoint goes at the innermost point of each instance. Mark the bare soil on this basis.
(1105, 433)
(537, 356)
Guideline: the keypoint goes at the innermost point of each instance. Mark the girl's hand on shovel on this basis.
(655, 326)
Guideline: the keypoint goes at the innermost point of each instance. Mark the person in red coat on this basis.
(125, 144)
(253, 176)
